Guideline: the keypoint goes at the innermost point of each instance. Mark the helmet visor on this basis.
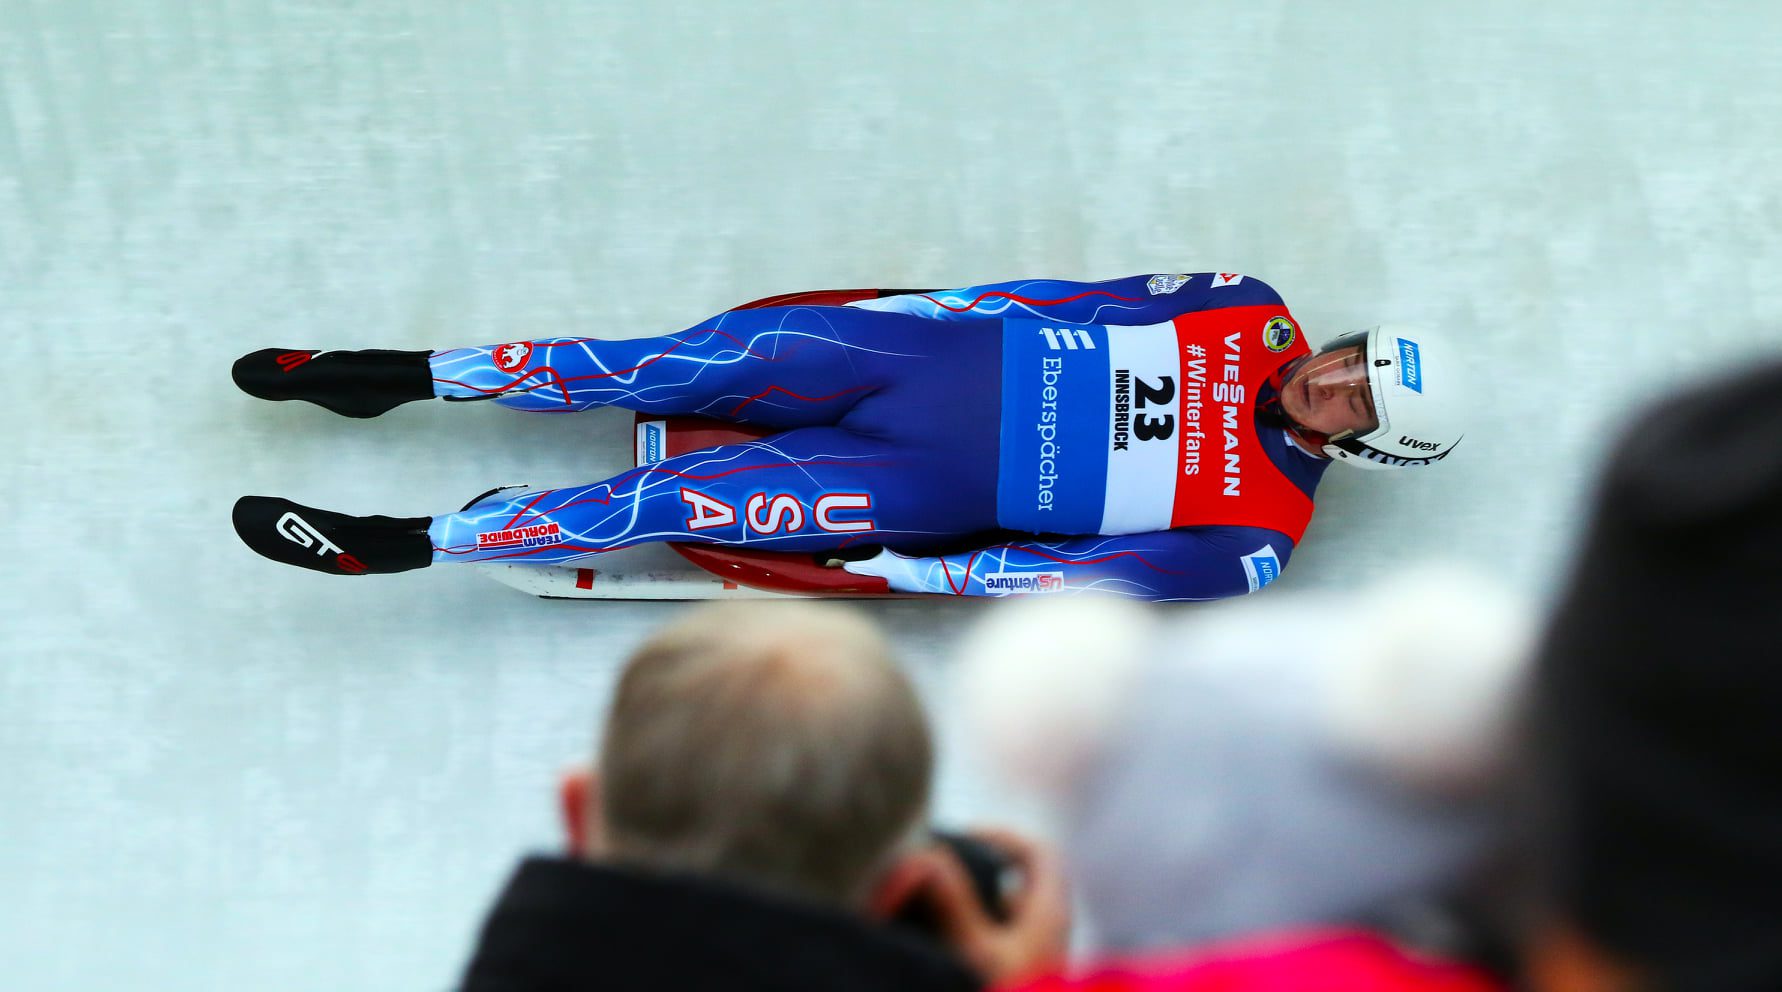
(1327, 395)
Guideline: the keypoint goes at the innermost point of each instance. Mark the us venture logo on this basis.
(1024, 582)
(1410, 366)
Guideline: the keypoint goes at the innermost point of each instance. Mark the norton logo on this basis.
(1411, 442)
(1278, 333)
(518, 537)
(650, 437)
(1261, 566)
(1410, 366)
(1024, 582)
(513, 357)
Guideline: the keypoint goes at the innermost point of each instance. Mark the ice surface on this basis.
(220, 773)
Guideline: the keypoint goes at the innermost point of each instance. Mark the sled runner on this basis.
(717, 571)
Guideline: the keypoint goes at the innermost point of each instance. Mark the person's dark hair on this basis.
(1658, 720)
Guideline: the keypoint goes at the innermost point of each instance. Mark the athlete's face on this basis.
(1328, 394)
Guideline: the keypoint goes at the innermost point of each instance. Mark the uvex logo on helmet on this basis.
(1411, 442)
(1390, 461)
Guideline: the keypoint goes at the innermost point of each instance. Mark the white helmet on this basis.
(1417, 397)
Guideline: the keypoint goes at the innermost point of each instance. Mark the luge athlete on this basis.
(1157, 436)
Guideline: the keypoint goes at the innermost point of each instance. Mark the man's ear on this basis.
(905, 881)
(579, 802)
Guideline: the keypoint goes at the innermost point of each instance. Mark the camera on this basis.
(990, 871)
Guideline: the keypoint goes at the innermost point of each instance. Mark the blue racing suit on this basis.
(889, 419)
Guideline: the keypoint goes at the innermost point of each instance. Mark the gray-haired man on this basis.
(759, 810)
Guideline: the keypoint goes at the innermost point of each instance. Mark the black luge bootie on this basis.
(336, 543)
(351, 383)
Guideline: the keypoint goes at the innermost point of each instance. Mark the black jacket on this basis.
(563, 925)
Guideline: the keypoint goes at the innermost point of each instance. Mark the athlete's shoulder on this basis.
(1190, 292)
(1241, 289)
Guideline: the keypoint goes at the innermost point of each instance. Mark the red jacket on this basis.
(1307, 961)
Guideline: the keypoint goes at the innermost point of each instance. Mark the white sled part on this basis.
(564, 582)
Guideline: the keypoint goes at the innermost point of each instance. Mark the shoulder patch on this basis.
(1161, 285)
(1261, 566)
(1278, 333)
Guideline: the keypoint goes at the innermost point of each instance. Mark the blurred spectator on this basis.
(1297, 759)
(1655, 762)
(758, 811)
(1659, 722)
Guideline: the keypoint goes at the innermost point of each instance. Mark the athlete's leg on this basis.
(780, 367)
(802, 490)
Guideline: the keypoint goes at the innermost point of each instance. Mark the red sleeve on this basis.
(1330, 961)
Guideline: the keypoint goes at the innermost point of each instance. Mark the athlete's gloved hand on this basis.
(897, 570)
